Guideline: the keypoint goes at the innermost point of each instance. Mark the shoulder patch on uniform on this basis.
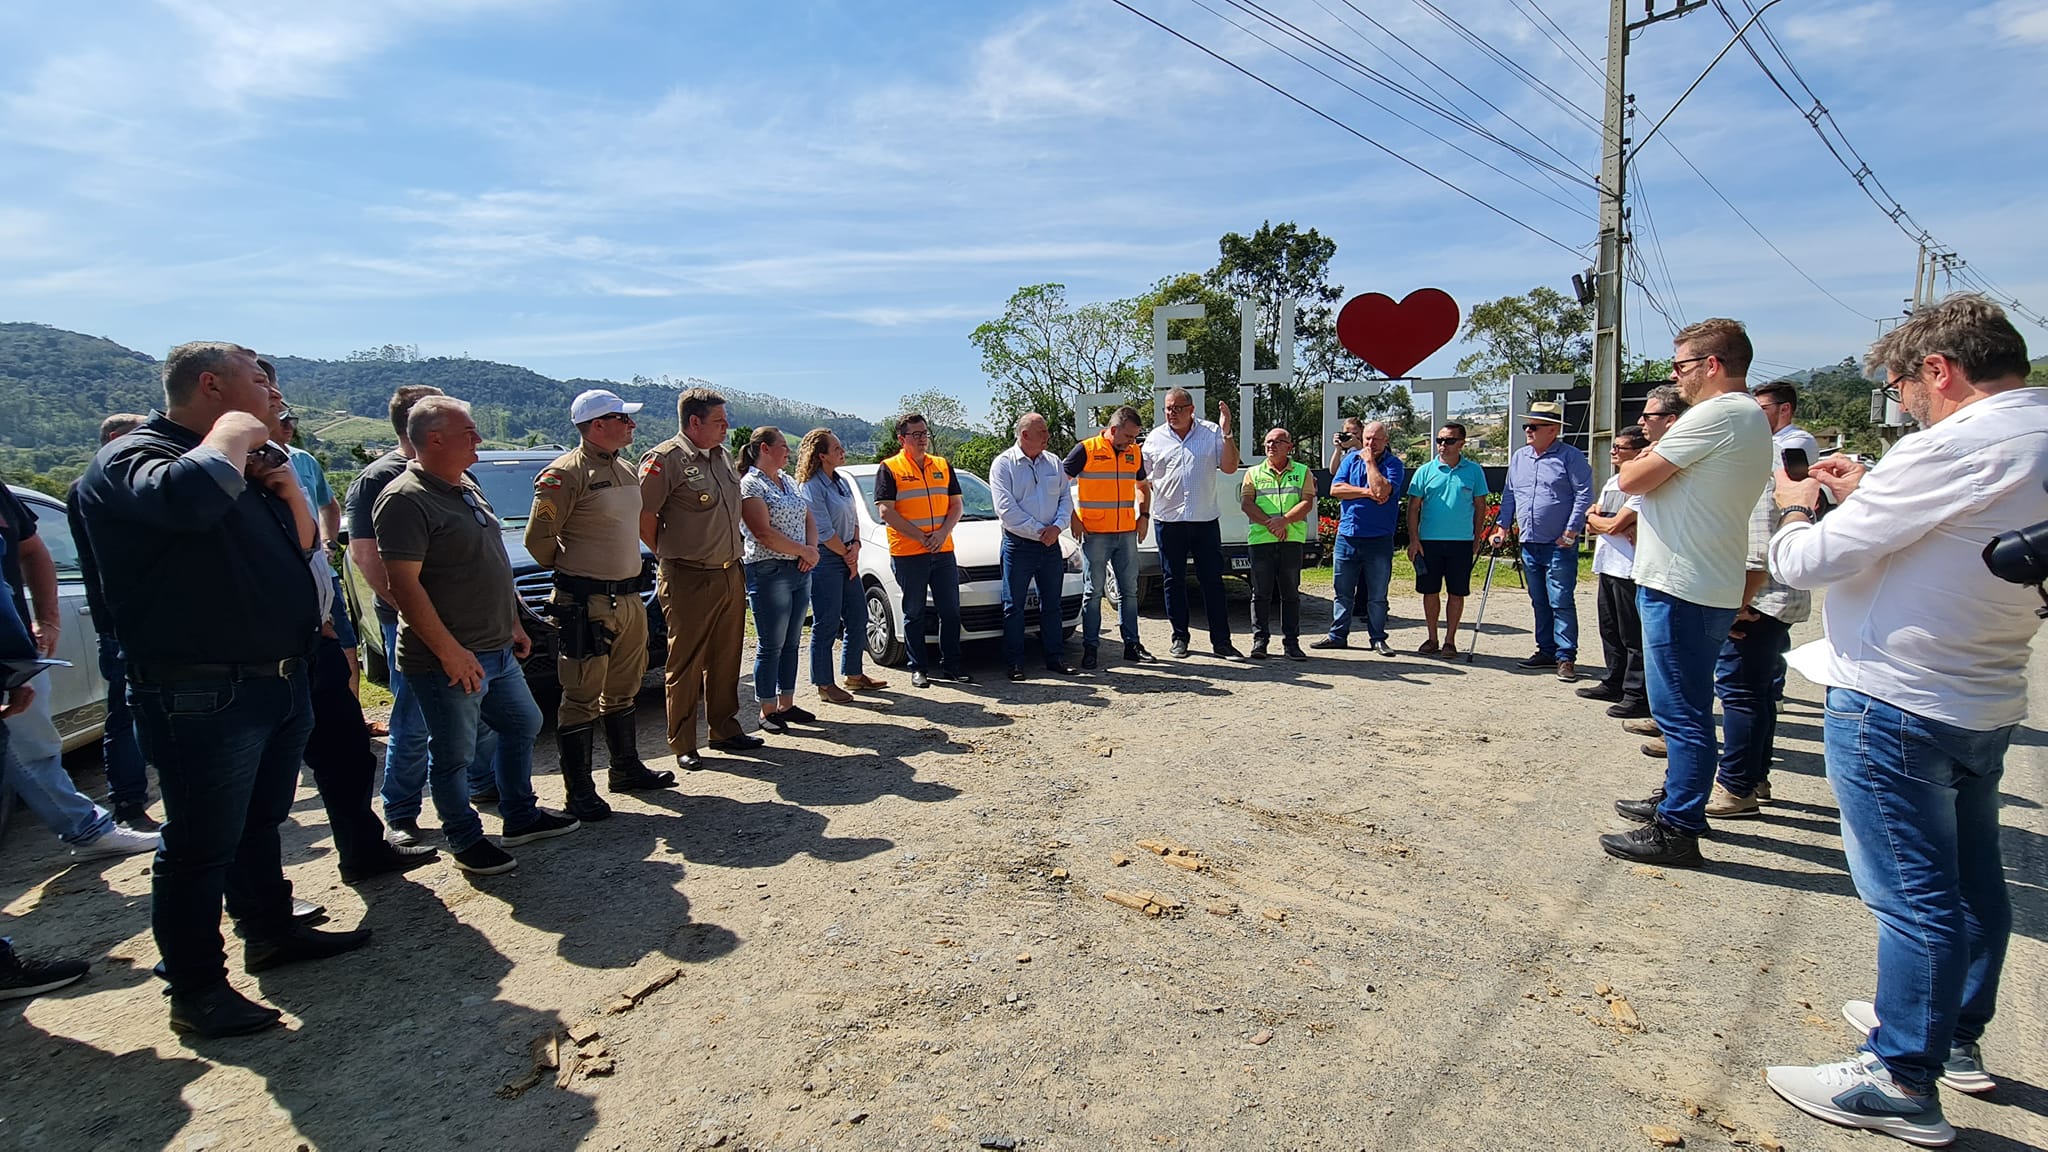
(650, 466)
(547, 480)
(544, 510)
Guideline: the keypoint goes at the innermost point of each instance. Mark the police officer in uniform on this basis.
(586, 526)
(690, 516)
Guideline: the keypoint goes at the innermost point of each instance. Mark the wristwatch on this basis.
(1812, 514)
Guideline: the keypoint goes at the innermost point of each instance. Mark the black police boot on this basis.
(628, 774)
(575, 746)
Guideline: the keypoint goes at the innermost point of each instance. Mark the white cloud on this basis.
(2023, 20)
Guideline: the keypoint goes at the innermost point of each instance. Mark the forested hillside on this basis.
(56, 385)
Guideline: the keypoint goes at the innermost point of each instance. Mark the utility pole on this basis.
(1614, 239)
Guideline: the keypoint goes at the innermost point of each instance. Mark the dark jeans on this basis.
(1363, 565)
(340, 754)
(1276, 575)
(1680, 640)
(1621, 637)
(1749, 678)
(1025, 563)
(1919, 802)
(938, 573)
(1203, 541)
(1552, 573)
(454, 718)
(120, 751)
(839, 609)
(227, 762)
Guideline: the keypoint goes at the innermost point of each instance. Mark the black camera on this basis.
(2021, 557)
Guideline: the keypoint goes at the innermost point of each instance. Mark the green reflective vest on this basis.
(1275, 494)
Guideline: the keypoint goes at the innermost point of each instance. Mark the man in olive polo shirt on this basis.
(459, 640)
(690, 516)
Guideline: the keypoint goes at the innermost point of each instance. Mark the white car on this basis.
(78, 694)
(977, 549)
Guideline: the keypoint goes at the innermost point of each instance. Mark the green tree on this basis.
(977, 452)
(944, 415)
(1543, 331)
(1042, 352)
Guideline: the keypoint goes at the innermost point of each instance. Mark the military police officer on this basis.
(690, 516)
(586, 526)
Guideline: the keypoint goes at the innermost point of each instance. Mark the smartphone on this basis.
(269, 455)
(1795, 463)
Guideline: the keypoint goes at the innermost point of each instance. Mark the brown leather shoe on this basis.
(1642, 727)
(864, 683)
(1567, 671)
(833, 693)
(1655, 748)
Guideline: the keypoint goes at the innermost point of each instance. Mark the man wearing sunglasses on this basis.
(1699, 484)
(1548, 491)
(1446, 511)
(459, 641)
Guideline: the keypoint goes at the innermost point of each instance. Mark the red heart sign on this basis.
(1392, 337)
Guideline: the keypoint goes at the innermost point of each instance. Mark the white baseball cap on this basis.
(598, 402)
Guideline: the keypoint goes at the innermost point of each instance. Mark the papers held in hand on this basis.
(15, 673)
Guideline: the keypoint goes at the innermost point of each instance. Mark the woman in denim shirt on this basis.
(838, 606)
(781, 549)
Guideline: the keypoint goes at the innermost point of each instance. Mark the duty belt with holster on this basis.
(582, 637)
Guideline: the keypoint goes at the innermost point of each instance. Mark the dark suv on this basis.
(507, 480)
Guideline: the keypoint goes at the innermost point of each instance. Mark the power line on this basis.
(1235, 66)
(1501, 58)
(1587, 67)
(1638, 188)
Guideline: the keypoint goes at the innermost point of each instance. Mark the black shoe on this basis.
(1629, 710)
(1179, 648)
(1016, 674)
(574, 750)
(1539, 660)
(622, 743)
(305, 913)
(1383, 648)
(798, 714)
(404, 833)
(484, 858)
(956, 675)
(135, 818)
(1136, 653)
(299, 945)
(1655, 843)
(744, 742)
(1258, 652)
(23, 978)
(688, 762)
(1599, 690)
(386, 860)
(544, 825)
(221, 1011)
(1059, 667)
(918, 679)
(1227, 652)
(1088, 657)
(488, 794)
(1641, 811)
(1330, 642)
(772, 722)
(1292, 650)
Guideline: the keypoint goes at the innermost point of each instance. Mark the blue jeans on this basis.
(36, 773)
(1919, 803)
(120, 753)
(405, 754)
(939, 573)
(1553, 577)
(839, 611)
(1027, 563)
(1201, 541)
(227, 758)
(779, 592)
(1117, 552)
(452, 717)
(1363, 563)
(1681, 641)
(1749, 679)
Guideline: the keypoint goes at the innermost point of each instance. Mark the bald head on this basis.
(1032, 434)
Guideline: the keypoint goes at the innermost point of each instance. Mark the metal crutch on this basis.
(1485, 590)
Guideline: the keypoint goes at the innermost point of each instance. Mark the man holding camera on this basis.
(1925, 666)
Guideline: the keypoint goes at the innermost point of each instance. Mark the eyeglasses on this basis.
(1892, 385)
(1180, 407)
(915, 436)
(1676, 364)
(1450, 439)
(476, 510)
(621, 417)
(1647, 414)
(1533, 427)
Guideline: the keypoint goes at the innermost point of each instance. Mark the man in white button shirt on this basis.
(1779, 401)
(1925, 665)
(1183, 455)
(1033, 502)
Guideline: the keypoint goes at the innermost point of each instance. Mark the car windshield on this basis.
(976, 501)
(508, 485)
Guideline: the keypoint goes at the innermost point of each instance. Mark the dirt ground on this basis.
(892, 932)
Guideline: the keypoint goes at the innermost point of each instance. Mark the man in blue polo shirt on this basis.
(1368, 483)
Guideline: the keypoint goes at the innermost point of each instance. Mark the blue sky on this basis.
(821, 199)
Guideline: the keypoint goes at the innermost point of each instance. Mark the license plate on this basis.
(1240, 563)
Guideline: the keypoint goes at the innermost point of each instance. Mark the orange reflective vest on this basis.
(921, 499)
(1106, 492)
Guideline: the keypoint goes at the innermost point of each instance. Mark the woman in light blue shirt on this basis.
(838, 606)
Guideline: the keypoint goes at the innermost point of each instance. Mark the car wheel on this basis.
(884, 647)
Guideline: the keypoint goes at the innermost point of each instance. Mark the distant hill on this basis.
(55, 386)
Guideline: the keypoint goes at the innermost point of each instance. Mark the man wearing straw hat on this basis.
(1548, 491)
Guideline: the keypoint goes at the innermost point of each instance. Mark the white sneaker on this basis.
(115, 841)
(1964, 1069)
(1860, 1093)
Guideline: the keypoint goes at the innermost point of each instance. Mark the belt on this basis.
(151, 673)
(585, 586)
(675, 563)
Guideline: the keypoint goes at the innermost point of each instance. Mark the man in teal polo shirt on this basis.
(1446, 510)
